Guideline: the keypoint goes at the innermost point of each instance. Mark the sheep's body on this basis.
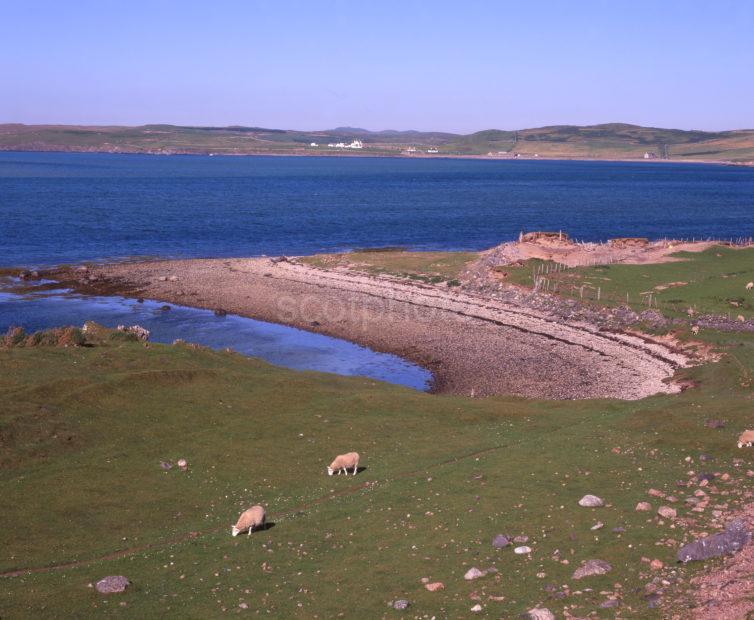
(344, 462)
(746, 439)
(749, 286)
(695, 329)
(250, 520)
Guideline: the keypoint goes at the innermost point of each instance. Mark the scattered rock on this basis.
(165, 308)
(163, 278)
(653, 317)
(500, 541)
(112, 584)
(598, 526)
(714, 424)
(474, 573)
(401, 603)
(540, 613)
(592, 567)
(165, 465)
(522, 550)
(476, 608)
(243, 605)
(220, 312)
(643, 507)
(521, 540)
(173, 278)
(610, 603)
(735, 536)
(656, 564)
(435, 586)
(591, 501)
(655, 493)
(666, 512)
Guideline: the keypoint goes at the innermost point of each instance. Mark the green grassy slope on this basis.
(83, 431)
(607, 141)
(709, 282)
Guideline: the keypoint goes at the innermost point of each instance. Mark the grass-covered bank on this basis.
(709, 282)
(84, 429)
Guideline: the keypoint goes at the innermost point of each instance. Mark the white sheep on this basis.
(749, 286)
(343, 462)
(746, 439)
(250, 520)
(695, 330)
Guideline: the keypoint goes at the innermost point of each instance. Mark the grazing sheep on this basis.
(250, 520)
(750, 286)
(695, 330)
(746, 439)
(740, 318)
(343, 462)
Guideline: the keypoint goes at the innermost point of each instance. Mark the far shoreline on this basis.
(422, 156)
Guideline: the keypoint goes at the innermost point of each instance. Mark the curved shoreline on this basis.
(473, 345)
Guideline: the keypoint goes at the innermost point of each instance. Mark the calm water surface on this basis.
(284, 346)
(68, 207)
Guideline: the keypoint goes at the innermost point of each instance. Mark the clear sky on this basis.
(405, 64)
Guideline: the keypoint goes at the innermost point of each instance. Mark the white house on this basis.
(314, 144)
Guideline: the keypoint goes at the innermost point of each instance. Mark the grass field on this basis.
(83, 431)
(434, 267)
(709, 282)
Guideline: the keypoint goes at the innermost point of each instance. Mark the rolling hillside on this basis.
(608, 141)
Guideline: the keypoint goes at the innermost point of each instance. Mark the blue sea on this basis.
(69, 207)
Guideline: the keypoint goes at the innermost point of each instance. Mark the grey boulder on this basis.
(732, 540)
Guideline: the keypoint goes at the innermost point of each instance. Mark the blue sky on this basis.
(454, 66)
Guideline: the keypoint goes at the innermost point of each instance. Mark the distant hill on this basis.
(607, 141)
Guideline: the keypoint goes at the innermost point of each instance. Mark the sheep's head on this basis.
(740, 444)
(234, 530)
(330, 471)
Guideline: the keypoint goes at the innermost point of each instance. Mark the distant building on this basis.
(433, 150)
(356, 144)
(649, 155)
(314, 144)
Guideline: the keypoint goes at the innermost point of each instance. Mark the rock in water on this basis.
(591, 501)
(540, 613)
(401, 603)
(500, 541)
(732, 540)
(112, 584)
(474, 573)
(592, 567)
